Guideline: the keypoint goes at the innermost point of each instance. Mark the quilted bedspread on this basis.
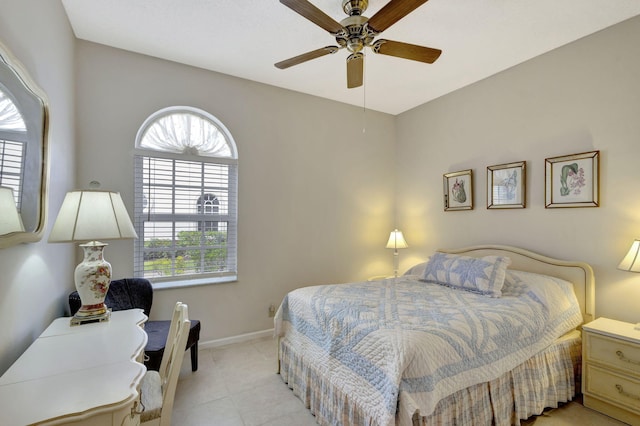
(404, 338)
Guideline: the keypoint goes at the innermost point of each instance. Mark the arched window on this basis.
(13, 137)
(186, 192)
(209, 204)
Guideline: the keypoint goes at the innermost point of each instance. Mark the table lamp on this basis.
(396, 241)
(10, 220)
(89, 216)
(631, 261)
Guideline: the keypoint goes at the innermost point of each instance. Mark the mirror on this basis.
(23, 150)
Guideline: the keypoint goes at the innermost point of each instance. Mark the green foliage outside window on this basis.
(193, 252)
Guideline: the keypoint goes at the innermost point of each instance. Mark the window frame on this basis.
(188, 156)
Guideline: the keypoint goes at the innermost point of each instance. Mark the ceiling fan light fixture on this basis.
(355, 45)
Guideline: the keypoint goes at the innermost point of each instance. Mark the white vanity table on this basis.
(85, 375)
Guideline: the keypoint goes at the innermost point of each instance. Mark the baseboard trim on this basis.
(241, 338)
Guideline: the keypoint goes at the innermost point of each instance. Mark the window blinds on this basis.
(185, 217)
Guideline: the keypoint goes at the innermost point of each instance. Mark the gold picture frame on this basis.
(573, 180)
(506, 186)
(458, 190)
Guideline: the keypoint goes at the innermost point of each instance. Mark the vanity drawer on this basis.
(618, 389)
(614, 353)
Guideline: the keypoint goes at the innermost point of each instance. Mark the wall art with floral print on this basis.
(573, 180)
(458, 190)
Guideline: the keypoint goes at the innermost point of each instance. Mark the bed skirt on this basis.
(544, 380)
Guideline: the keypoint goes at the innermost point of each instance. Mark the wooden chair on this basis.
(158, 388)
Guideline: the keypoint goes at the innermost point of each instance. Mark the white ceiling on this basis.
(244, 38)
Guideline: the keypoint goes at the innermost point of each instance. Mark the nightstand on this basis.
(611, 369)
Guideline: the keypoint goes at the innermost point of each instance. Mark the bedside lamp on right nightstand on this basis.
(631, 261)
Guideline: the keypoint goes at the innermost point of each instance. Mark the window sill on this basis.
(166, 285)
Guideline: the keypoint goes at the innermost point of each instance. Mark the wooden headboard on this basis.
(578, 273)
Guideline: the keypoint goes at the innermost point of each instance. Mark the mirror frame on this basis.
(32, 235)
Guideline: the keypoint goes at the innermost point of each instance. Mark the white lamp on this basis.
(396, 241)
(10, 220)
(91, 215)
(631, 261)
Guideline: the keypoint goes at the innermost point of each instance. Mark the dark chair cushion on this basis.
(130, 293)
(158, 332)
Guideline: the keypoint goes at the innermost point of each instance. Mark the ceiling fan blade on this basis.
(306, 57)
(406, 51)
(355, 70)
(315, 15)
(392, 12)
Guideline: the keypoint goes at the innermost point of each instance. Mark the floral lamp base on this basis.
(92, 277)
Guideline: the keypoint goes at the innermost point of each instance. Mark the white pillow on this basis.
(483, 275)
(555, 294)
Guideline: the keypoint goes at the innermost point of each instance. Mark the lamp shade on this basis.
(90, 215)
(396, 240)
(10, 220)
(631, 261)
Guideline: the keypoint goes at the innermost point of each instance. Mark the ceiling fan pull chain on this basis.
(364, 93)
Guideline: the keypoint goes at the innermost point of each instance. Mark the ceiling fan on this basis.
(357, 32)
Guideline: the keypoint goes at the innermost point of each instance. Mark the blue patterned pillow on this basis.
(484, 275)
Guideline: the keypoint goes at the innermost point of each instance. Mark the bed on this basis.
(474, 336)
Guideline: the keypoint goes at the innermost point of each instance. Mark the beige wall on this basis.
(581, 97)
(315, 192)
(35, 279)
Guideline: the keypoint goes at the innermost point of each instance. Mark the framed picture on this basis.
(458, 191)
(573, 180)
(506, 186)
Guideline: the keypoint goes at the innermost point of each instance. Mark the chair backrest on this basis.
(125, 293)
(130, 293)
(172, 359)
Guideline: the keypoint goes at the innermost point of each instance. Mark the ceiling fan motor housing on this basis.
(356, 36)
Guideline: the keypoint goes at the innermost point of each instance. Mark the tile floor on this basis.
(237, 385)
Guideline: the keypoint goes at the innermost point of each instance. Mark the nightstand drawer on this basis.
(613, 352)
(618, 389)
